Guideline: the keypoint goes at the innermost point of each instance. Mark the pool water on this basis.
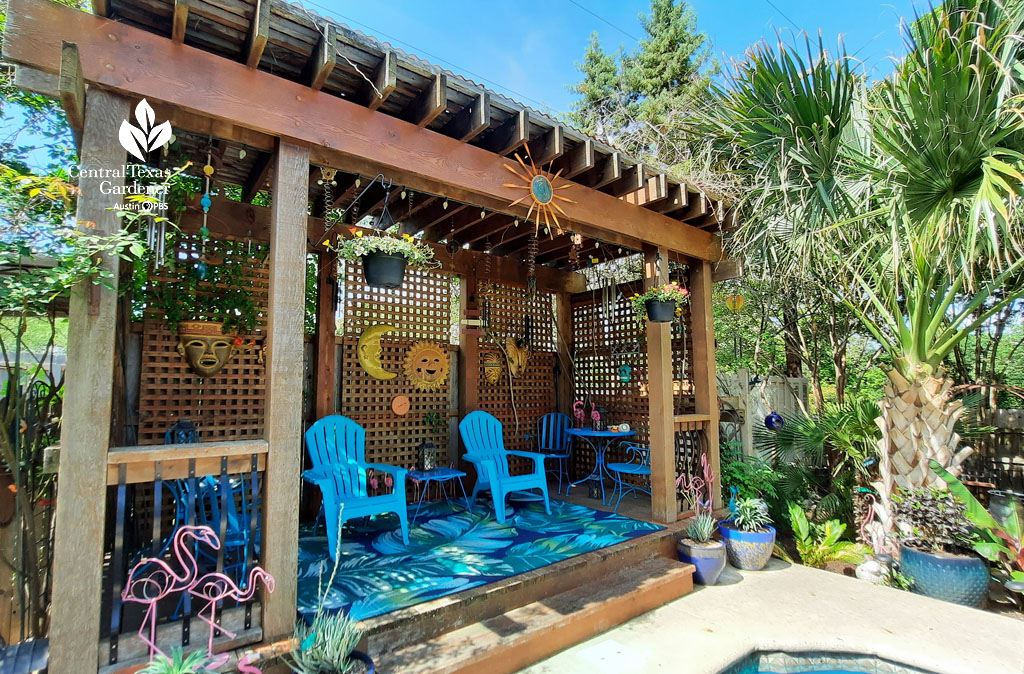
(818, 662)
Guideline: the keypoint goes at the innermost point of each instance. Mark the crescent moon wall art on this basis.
(368, 351)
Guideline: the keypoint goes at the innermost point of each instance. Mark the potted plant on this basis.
(211, 308)
(197, 662)
(385, 257)
(937, 547)
(327, 644)
(660, 305)
(698, 548)
(749, 536)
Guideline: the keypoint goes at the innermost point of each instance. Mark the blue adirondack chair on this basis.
(638, 466)
(485, 449)
(337, 448)
(554, 442)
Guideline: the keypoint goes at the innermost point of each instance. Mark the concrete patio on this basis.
(794, 608)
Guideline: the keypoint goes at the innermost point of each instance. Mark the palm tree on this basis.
(902, 199)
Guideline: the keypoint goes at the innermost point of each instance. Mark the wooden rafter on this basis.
(604, 173)
(675, 200)
(385, 80)
(550, 147)
(258, 34)
(180, 20)
(631, 180)
(511, 135)
(71, 86)
(257, 178)
(576, 161)
(430, 103)
(472, 120)
(494, 226)
(322, 61)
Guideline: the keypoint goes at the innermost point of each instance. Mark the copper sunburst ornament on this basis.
(542, 188)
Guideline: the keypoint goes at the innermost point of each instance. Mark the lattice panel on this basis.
(607, 336)
(420, 311)
(228, 405)
(532, 394)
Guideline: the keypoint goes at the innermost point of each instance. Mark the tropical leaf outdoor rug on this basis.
(450, 550)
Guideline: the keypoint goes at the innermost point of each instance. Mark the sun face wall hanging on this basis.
(542, 191)
(427, 366)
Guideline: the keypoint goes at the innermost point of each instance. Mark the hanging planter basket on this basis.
(384, 271)
(660, 311)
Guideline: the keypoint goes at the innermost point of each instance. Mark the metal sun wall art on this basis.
(542, 190)
(427, 366)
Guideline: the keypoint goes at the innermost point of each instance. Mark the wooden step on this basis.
(393, 631)
(527, 634)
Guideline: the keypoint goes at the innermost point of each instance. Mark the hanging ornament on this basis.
(242, 153)
(402, 195)
(625, 374)
(206, 202)
(734, 303)
(445, 205)
(774, 421)
(542, 192)
(208, 169)
(427, 366)
(202, 270)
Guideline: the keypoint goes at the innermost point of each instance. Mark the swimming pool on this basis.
(817, 662)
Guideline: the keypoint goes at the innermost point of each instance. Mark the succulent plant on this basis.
(701, 528)
(751, 514)
(933, 519)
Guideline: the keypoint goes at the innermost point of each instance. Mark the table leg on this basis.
(423, 492)
(469, 506)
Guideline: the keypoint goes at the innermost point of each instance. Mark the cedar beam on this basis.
(340, 133)
(675, 200)
(259, 34)
(71, 87)
(321, 62)
(607, 172)
(283, 421)
(705, 376)
(472, 120)
(631, 180)
(430, 103)
(552, 146)
(85, 436)
(659, 398)
(385, 80)
(511, 135)
(257, 177)
(576, 161)
(179, 21)
(100, 8)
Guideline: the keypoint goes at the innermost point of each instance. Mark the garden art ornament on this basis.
(427, 366)
(369, 351)
(492, 364)
(205, 347)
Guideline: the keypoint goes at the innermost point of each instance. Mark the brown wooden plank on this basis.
(257, 177)
(258, 35)
(172, 468)
(179, 21)
(705, 375)
(71, 88)
(632, 179)
(472, 120)
(287, 263)
(511, 135)
(385, 79)
(85, 428)
(675, 200)
(659, 391)
(196, 450)
(578, 160)
(100, 8)
(606, 172)
(726, 270)
(322, 60)
(429, 103)
(325, 353)
(341, 133)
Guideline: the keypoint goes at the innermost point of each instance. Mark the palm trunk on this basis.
(918, 424)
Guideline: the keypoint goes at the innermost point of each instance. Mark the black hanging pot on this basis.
(660, 311)
(384, 271)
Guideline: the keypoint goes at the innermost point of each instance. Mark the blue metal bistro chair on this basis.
(485, 449)
(337, 448)
(555, 443)
(638, 465)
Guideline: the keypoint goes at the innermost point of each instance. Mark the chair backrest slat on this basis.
(337, 440)
(553, 432)
(482, 435)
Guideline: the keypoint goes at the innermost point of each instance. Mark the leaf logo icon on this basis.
(146, 137)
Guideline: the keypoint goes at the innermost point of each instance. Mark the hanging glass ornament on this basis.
(242, 153)
(208, 169)
(206, 202)
(202, 270)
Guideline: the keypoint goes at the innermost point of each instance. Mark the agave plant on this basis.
(901, 199)
(196, 662)
(701, 528)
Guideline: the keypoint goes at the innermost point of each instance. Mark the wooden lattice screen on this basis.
(228, 405)
(421, 310)
(608, 336)
(511, 312)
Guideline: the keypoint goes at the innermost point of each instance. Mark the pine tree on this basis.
(599, 90)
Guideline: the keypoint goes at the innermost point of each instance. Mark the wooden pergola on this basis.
(296, 92)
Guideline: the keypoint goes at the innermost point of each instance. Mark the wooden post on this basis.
(85, 427)
(284, 386)
(705, 375)
(326, 327)
(563, 353)
(469, 353)
(661, 410)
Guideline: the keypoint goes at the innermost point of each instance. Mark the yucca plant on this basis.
(903, 200)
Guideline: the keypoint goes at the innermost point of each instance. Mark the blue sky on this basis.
(528, 49)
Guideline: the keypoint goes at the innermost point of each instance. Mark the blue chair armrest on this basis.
(485, 465)
(396, 471)
(538, 459)
(319, 474)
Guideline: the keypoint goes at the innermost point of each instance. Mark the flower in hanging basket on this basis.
(660, 304)
(417, 253)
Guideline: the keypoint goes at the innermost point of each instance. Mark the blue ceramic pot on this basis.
(960, 579)
(363, 657)
(748, 550)
(709, 560)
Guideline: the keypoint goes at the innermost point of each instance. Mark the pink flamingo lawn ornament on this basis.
(595, 416)
(215, 587)
(150, 588)
(577, 411)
